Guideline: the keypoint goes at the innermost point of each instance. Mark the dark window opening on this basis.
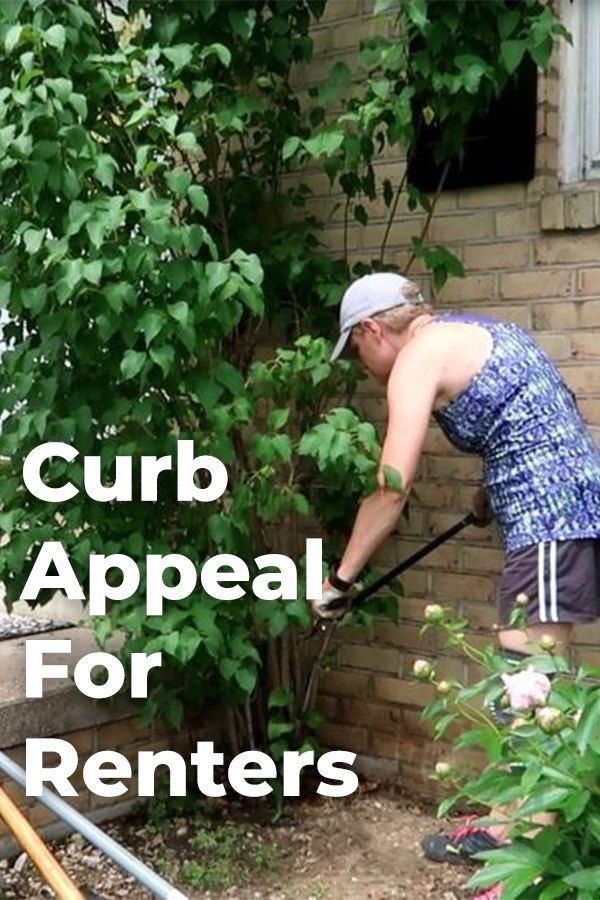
(499, 148)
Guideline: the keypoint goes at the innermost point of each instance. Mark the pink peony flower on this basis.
(527, 689)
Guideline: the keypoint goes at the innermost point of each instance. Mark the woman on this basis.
(494, 392)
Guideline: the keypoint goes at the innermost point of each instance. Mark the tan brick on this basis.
(399, 690)
(437, 442)
(390, 746)
(328, 705)
(412, 609)
(407, 636)
(433, 494)
(471, 287)
(510, 222)
(520, 315)
(549, 283)
(376, 716)
(481, 559)
(482, 616)
(580, 210)
(378, 769)
(115, 735)
(571, 248)
(585, 345)
(336, 10)
(590, 314)
(582, 379)
(344, 683)
(588, 280)
(558, 346)
(462, 226)
(506, 255)
(555, 316)
(415, 582)
(552, 212)
(502, 195)
(463, 468)
(590, 410)
(452, 585)
(344, 737)
(378, 659)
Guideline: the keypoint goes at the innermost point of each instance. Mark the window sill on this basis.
(574, 208)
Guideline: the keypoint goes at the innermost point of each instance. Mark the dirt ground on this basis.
(366, 846)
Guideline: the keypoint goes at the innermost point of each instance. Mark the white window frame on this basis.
(580, 92)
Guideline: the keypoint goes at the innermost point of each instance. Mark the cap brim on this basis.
(339, 348)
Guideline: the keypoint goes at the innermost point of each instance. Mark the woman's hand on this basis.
(333, 604)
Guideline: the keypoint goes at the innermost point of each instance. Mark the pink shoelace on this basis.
(493, 893)
(466, 828)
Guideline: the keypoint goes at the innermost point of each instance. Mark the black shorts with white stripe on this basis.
(561, 579)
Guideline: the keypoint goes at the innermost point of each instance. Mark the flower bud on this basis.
(547, 642)
(434, 613)
(522, 599)
(443, 769)
(422, 669)
(577, 717)
(460, 635)
(550, 719)
(518, 723)
(444, 687)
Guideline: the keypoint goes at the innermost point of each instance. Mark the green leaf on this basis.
(201, 89)
(105, 170)
(324, 144)
(119, 294)
(178, 181)
(249, 266)
(511, 54)
(179, 55)
(384, 6)
(290, 147)
(246, 678)
(187, 140)
(589, 725)
(242, 22)
(92, 271)
(164, 357)
(55, 36)
(132, 363)
(180, 311)
(280, 697)
(151, 323)
(218, 50)
(392, 479)
(33, 239)
(586, 879)
(277, 729)
(12, 38)
(198, 198)
(229, 377)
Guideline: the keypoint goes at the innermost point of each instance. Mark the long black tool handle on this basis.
(470, 519)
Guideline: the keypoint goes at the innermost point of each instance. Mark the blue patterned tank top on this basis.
(541, 466)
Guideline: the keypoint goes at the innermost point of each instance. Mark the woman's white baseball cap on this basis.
(370, 295)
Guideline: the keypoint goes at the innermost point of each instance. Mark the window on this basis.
(580, 92)
(500, 146)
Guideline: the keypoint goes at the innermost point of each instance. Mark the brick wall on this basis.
(522, 265)
(126, 736)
